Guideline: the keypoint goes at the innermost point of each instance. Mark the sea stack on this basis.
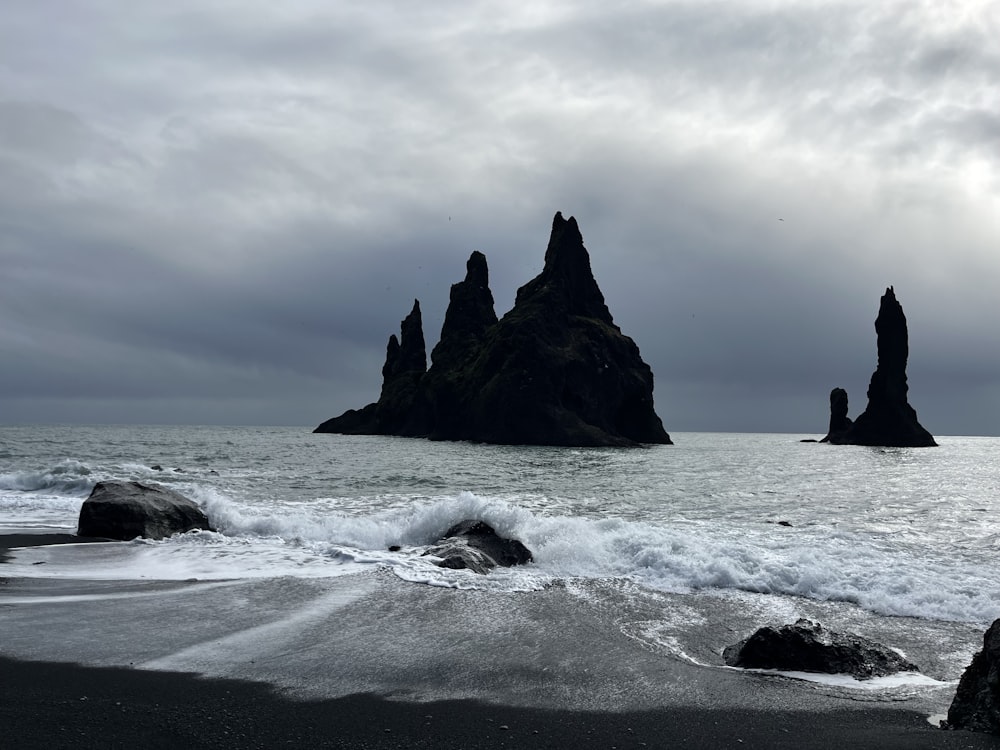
(840, 423)
(889, 419)
(395, 411)
(555, 370)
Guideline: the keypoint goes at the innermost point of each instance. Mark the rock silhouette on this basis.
(840, 423)
(402, 373)
(555, 370)
(889, 420)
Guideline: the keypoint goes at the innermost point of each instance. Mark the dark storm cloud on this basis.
(220, 211)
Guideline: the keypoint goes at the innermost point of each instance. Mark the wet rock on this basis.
(126, 510)
(807, 646)
(475, 546)
(976, 704)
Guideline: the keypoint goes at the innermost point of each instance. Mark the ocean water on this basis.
(723, 532)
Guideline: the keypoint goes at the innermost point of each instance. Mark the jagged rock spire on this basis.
(889, 420)
(555, 370)
(406, 355)
(470, 314)
(566, 282)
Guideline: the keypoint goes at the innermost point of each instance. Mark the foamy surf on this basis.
(878, 573)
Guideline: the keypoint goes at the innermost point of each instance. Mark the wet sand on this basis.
(371, 663)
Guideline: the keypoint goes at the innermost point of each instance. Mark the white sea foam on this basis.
(892, 682)
(687, 556)
(897, 532)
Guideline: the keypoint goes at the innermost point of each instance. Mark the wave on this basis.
(880, 573)
(68, 477)
(885, 573)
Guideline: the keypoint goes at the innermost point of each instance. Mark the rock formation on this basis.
(555, 370)
(840, 423)
(807, 646)
(475, 546)
(126, 510)
(889, 419)
(404, 369)
(976, 704)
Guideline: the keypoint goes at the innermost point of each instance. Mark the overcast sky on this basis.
(215, 211)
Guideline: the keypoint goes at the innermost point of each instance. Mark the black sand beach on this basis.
(58, 704)
(44, 705)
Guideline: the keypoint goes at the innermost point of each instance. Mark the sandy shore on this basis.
(45, 705)
(371, 662)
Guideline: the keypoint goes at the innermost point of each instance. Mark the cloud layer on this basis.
(219, 211)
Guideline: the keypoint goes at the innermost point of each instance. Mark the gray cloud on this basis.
(219, 212)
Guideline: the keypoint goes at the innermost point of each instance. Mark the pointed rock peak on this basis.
(566, 251)
(889, 301)
(412, 350)
(888, 419)
(893, 339)
(476, 270)
(566, 283)
(470, 313)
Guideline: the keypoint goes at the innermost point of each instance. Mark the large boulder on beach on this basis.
(976, 704)
(807, 646)
(476, 546)
(889, 420)
(126, 510)
(555, 370)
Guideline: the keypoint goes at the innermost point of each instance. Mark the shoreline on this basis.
(38, 538)
(347, 684)
(58, 705)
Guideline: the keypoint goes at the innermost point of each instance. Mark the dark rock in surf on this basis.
(475, 546)
(889, 420)
(126, 510)
(840, 423)
(555, 370)
(976, 704)
(807, 646)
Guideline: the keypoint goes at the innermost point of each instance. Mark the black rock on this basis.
(469, 317)
(475, 546)
(126, 510)
(405, 366)
(840, 423)
(976, 704)
(807, 646)
(555, 370)
(889, 419)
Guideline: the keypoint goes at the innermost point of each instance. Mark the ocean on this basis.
(684, 548)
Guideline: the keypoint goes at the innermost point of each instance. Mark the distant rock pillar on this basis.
(840, 423)
(889, 420)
